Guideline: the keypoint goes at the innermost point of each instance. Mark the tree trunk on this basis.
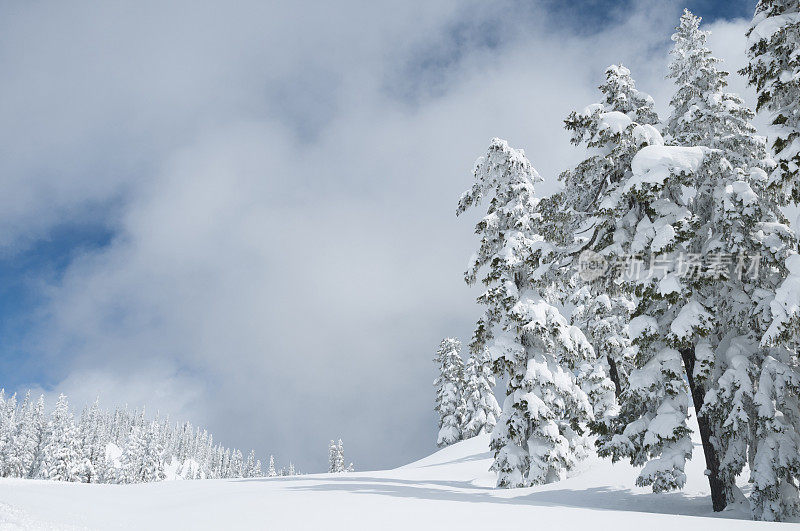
(614, 375)
(718, 497)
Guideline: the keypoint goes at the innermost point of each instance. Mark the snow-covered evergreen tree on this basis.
(16, 449)
(237, 464)
(703, 114)
(271, 470)
(774, 70)
(340, 457)
(481, 409)
(333, 453)
(248, 468)
(142, 459)
(38, 423)
(93, 444)
(132, 457)
(449, 391)
(734, 217)
(62, 459)
(595, 219)
(702, 321)
(651, 428)
(537, 438)
(776, 461)
(9, 459)
(153, 462)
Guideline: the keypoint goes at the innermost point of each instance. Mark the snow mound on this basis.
(770, 26)
(113, 455)
(615, 121)
(653, 164)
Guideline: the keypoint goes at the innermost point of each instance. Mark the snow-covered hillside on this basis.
(450, 489)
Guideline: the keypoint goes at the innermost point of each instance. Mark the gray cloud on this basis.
(286, 255)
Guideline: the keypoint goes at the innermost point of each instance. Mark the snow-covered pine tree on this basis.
(93, 444)
(236, 463)
(39, 427)
(9, 461)
(449, 391)
(249, 465)
(291, 469)
(62, 457)
(142, 459)
(748, 224)
(702, 113)
(651, 428)
(481, 407)
(733, 217)
(611, 131)
(774, 71)
(604, 318)
(776, 463)
(225, 467)
(153, 458)
(675, 329)
(5, 428)
(215, 462)
(271, 470)
(537, 437)
(28, 438)
(333, 452)
(340, 457)
(132, 457)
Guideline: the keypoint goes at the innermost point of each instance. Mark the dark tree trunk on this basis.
(613, 373)
(718, 497)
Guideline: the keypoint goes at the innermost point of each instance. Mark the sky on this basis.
(243, 214)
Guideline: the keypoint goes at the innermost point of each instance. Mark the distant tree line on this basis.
(118, 446)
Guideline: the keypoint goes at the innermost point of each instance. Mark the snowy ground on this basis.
(447, 490)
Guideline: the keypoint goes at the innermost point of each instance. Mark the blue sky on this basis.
(22, 276)
(588, 14)
(206, 208)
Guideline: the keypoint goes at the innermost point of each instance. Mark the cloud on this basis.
(286, 255)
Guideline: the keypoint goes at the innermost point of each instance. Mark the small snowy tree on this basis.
(271, 470)
(340, 457)
(39, 427)
(248, 468)
(7, 423)
(16, 453)
(62, 457)
(236, 464)
(449, 391)
(93, 444)
(333, 456)
(481, 407)
(774, 71)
